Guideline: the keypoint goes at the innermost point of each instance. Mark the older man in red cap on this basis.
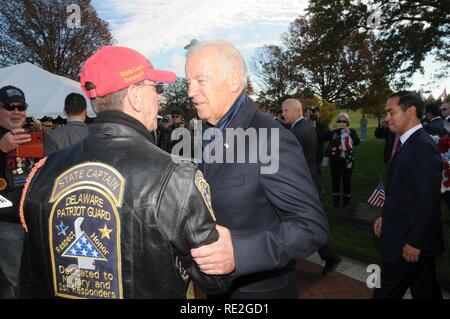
(113, 216)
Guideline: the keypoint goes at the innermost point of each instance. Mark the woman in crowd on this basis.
(342, 159)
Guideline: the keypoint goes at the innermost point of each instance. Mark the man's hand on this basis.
(411, 254)
(37, 124)
(216, 258)
(12, 139)
(377, 226)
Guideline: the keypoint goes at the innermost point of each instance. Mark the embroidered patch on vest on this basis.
(203, 188)
(3, 184)
(84, 232)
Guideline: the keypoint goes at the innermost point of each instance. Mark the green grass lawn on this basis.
(355, 241)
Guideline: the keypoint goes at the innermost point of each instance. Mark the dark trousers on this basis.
(287, 291)
(326, 252)
(12, 238)
(446, 197)
(339, 172)
(420, 277)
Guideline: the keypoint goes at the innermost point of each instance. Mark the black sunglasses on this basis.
(444, 109)
(159, 87)
(10, 107)
(341, 121)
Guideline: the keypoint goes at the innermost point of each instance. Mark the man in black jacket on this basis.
(410, 226)
(271, 207)
(12, 119)
(113, 216)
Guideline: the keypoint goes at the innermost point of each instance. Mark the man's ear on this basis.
(234, 81)
(412, 111)
(134, 98)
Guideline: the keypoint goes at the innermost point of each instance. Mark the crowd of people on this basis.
(109, 213)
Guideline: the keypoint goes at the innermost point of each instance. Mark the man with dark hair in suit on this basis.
(274, 218)
(435, 124)
(410, 225)
(306, 135)
(74, 131)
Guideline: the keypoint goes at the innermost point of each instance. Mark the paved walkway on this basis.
(335, 285)
(348, 281)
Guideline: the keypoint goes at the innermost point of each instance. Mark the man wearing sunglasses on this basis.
(12, 119)
(445, 112)
(117, 210)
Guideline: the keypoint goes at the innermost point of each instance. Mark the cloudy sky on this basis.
(161, 28)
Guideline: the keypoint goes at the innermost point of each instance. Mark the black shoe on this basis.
(331, 264)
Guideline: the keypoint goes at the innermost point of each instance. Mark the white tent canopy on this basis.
(45, 92)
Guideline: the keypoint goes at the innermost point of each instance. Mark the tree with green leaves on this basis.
(57, 35)
(176, 97)
(276, 75)
(406, 30)
(334, 68)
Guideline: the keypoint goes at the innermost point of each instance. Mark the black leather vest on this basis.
(114, 217)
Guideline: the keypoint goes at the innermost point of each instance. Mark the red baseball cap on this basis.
(113, 68)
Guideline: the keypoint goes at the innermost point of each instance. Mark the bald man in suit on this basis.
(307, 136)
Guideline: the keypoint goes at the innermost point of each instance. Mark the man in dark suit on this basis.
(306, 135)
(435, 124)
(74, 131)
(410, 226)
(271, 207)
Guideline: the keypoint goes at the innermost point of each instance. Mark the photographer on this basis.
(13, 172)
(342, 159)
(322, 132)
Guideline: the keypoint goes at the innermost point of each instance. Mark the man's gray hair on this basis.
(112, 101)
(294, 103)
(231, 58)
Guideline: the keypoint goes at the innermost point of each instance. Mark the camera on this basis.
(313, 116)
(33, 149)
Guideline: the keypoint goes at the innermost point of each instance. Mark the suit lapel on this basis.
(241, 120)
(401, 152)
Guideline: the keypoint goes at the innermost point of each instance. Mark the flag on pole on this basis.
(378, 196)
(443, 94)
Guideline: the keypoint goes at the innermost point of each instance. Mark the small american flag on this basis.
(377, 198)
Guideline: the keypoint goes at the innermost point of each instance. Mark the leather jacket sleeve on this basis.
(192, 226)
